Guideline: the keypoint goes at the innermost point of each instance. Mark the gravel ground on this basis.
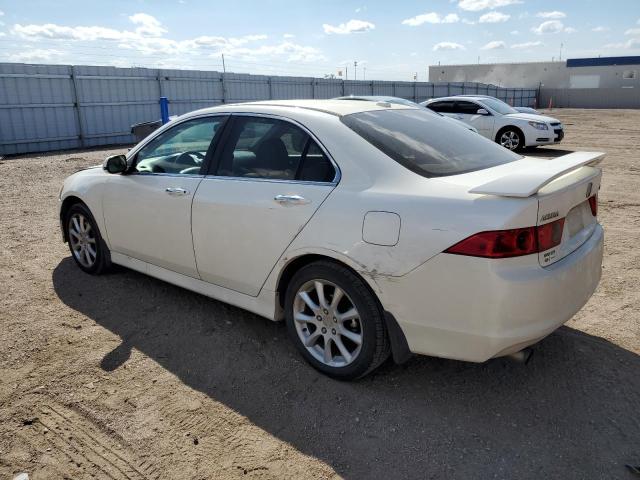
(124, 376)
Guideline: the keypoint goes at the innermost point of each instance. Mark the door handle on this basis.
(291, 200)
(176, 191)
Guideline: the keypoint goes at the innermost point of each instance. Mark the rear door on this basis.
(269, 178)
(444, 107)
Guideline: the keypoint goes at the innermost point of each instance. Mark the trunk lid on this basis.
(562, 187)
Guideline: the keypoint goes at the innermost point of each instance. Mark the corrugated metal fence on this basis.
(590, 97)
(54, 107)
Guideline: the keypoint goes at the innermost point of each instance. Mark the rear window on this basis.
(426, 143)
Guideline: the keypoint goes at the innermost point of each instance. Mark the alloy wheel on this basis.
(83, 240)
(328, 323)
(510, 140)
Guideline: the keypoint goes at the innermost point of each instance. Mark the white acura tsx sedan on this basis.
(371, 228)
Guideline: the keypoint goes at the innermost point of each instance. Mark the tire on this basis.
(511, 138)
(85, 241)
(325, 322)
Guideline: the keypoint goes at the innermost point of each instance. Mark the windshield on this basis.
(427, 144)
(498, 106)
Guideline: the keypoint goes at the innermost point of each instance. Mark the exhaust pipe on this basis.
(523, 356)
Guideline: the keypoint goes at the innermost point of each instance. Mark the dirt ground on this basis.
(123, 376)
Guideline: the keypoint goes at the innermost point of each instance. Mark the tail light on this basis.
(511, 243)
(593, 203)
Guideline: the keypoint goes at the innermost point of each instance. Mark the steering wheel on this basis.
(190, 157)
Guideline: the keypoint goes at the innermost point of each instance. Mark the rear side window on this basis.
(426, 143)
(260, 147)
(442, 107)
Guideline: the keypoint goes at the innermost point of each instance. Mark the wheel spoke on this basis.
(320, 291)
(343, 350)
(312, 339)
(76, 225)
(91, 240)
(337, 296)
(354, 337)
(350, 314)
(91, 251)
(307, 299)
(73, 233)
(328, 356)
(87, 257)
(301, 317)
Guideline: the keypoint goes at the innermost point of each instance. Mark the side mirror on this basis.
(482, 111)
(115, 164)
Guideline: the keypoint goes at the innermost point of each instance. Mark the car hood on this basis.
(531, 117)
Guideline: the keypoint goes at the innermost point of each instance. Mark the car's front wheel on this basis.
(511, 138)
(335, 321)
(85, 242)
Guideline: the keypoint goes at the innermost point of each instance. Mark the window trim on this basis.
(215, 161)
(132, 156)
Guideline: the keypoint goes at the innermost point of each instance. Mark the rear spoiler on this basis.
(536, 173)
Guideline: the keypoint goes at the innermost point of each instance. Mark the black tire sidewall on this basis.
(100, 263)
(365, 302)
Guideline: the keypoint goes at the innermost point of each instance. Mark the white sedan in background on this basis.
(371, 228)
(500, 122)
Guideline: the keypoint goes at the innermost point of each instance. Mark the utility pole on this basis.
(224, 68)
(364, 73)
(561, 45)
(346, 72)
(355, 70)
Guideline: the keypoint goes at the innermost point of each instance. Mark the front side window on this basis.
(425, 143)
(499, 106)
(268, 148)
(180, 149)
(467, 108)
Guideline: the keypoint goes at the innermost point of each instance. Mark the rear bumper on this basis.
(473, 309)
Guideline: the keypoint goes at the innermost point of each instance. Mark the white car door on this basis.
(466, 111)
(267, 181)
(147, 211)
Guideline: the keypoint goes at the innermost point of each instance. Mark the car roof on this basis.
(378, 98)
(332, 107)
(461, 97)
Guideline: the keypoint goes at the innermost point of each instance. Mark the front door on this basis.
(148, 210)
(268, 181)
(467, 112)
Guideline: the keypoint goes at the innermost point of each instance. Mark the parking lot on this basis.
(124, 376)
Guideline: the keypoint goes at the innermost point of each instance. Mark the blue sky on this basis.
(388, 39)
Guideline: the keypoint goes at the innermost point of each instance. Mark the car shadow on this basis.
(570, 413)
(545, 152)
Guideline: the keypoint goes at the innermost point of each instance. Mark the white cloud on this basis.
(632, 43)
(494, 45)
(352, 26)
(515, 32)
(288, 35)
(550, 26)
(431, 17)
(149, 38)
(448, 46)
(527, 44)
(35, 55)
(600, 28)
(1, 13)
(494, 17)
(148, 25)
(2, 34)
(477, 5)
(468, 22)
(552, 15)
(633, 31)
(570, 30)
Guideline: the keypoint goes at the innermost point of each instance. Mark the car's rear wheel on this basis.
(511, 138)
(85, 242)
(335, 321)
